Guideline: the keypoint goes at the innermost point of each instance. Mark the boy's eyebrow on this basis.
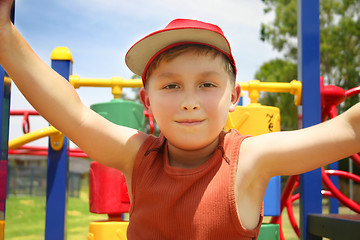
(172, 75)
(168, 75)
(209, 73)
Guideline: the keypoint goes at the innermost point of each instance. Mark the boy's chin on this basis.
(194, 143)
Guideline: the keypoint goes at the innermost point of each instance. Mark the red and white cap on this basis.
(177, 32)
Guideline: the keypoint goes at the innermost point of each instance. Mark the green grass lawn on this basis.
(25, 218)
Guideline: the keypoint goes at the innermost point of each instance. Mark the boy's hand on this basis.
(5, 7)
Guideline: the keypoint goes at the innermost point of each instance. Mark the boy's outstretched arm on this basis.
(56, 100)
(295, 152)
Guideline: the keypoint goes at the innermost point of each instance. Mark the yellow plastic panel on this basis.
(107, 230)
(254, 119)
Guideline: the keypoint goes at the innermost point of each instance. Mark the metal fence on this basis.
(31, 181)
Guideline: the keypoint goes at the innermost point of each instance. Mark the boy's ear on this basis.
(235, 97)
(144, 98)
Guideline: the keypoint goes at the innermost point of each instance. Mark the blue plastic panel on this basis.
(272, 197)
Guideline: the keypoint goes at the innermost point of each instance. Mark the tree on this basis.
(339, 38)
(339, 50)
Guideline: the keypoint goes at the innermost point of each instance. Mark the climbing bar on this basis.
(32, 136)
(25, 114)
(77, 82)
(254, 87)
(43, 151)
(116, 83)
(352, 92)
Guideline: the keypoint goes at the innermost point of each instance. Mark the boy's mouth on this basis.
(189, 122)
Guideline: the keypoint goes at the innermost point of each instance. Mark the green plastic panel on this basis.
(269, 232)
(122, 112)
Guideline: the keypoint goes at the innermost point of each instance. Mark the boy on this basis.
(195, 181)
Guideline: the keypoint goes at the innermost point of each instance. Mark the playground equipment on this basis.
(331, 97)
(256, 119)
(108, 190)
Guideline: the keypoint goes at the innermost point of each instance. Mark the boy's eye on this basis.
(207, 85)
(171, 86)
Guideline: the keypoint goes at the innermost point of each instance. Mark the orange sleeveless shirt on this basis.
(177, 203)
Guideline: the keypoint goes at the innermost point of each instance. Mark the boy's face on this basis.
(190, 98)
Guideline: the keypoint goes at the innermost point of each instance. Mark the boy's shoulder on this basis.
(150, 144)
(234, 135)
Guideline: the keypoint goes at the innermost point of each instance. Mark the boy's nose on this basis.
(190, 101)
(190, 105)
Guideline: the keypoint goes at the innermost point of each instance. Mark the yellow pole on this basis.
(255, 87)
(7, 80)
(116, 83)
(78, 82)
(32, 136)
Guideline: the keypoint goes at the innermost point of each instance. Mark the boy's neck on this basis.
(190, 158)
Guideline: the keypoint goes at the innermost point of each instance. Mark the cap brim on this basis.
(141, 52)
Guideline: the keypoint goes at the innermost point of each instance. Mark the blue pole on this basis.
(334, 203)
(56, 195)
(309, 74)
(57, 173)
(5, 90)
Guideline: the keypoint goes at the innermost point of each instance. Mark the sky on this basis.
(99, 33)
